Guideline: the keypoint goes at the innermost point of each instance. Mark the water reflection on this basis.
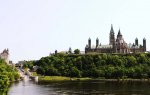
(80, 88)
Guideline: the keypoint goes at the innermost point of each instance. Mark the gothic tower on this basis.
(97, 42)
(120, 43)
(144, 44)
(89, 43)
(136, 42)
(111, 36)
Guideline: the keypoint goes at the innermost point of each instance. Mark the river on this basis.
(79, 88)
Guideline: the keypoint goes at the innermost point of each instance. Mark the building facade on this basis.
(116, 45)
(5, 55)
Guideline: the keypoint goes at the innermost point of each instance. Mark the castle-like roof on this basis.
(5, 51)
(119, 33)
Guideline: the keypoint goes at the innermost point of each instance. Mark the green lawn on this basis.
(60, 78)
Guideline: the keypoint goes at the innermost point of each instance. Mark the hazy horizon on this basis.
(32, 29)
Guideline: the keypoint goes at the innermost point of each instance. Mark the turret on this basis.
(111, 36)
(70, 50)
(144, 44)
(136, 42)
(119, 34)
(111, 30)
(97, 42)
(89, 43)
(56, 51)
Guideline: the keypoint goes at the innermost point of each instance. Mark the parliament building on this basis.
(116, 45)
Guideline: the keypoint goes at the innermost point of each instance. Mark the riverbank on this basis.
(62, 78)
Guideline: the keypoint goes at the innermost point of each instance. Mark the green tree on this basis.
(4, 83)
(131, 61)
(76, 51)
(74, 72)
(142, 59)
(8, 74)
(97, 73)
(41, 71)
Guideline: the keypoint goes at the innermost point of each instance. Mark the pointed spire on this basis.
(111, 26)
(136, 38)
(89, 38)
(133, 44)
(112, 30)
(119, 33)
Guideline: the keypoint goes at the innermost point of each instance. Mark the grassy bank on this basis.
(63, 78)
(60, 78)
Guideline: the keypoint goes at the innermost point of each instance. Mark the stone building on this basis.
(116, 45)
(5, 55)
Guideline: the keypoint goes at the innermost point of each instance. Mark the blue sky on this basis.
(34, 28)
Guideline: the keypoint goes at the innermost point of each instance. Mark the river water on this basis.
(79, 88)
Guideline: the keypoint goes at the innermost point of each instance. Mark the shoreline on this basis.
(62, 78)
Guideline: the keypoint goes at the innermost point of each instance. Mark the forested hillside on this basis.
(107, 66)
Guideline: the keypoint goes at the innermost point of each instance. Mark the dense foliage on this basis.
(7, 74)
(96, 65)
(76, 51)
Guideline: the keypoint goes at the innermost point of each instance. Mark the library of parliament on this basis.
(116, 45)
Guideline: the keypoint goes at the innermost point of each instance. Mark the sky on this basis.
(32, 29)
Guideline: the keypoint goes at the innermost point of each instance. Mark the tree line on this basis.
(107, 66)
(8, 73)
